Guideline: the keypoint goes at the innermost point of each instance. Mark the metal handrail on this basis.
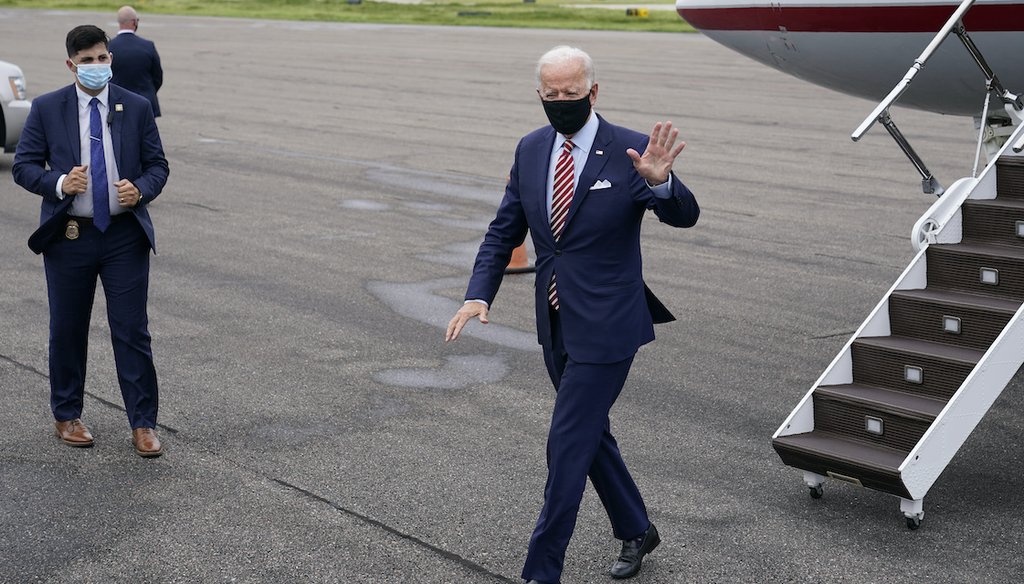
(919, 63)
(992, 85)
(929, 184)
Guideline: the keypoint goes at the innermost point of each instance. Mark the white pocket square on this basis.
(601, 184)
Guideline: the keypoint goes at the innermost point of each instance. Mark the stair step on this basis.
(1010, 176)
(914, 366)
(994, 221)
(872, 466)
(855, 411)
(923, 348)
(954, 318)
(898, 403)
(963, 266)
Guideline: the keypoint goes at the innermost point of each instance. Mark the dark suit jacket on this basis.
(136, 67)
(50, 146)
(606, 311)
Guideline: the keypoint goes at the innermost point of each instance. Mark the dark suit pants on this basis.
(120, 258)
(580, 444)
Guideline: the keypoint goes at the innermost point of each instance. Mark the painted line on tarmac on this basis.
(107, 403)
(464, 562)
(469, 564)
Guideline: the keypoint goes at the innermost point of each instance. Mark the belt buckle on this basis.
(72, 231)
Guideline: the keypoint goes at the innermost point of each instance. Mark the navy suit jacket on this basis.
(50, 146)
(605, 309)
(136, 67)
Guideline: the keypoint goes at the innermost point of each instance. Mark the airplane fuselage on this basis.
(864, 48)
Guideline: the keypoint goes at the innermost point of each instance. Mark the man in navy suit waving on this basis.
(581, 187)
(136, 63)
(92, 152)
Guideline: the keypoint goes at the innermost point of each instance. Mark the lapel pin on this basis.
(118, 107)
(599, 152)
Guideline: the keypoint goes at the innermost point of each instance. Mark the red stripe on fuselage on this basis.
(981, 18)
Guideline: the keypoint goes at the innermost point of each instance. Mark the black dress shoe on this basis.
(633, 552)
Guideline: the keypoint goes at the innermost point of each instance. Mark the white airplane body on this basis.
(865, 47)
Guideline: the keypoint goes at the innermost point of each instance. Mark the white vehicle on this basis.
(14, 105)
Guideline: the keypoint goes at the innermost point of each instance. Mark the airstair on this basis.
(916, 378)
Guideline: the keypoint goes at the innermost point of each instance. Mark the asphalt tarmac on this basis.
(329, 186)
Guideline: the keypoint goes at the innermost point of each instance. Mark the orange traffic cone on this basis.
(520, 262)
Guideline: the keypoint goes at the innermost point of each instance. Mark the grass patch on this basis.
(503, 13)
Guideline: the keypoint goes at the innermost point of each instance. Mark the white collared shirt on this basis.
(583, 143)
(82, 205)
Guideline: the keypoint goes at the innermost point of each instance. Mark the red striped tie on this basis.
(560, 200)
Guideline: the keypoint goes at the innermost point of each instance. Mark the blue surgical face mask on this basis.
(94, 76)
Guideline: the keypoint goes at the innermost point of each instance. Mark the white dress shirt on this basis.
(82, 205)
(583, 144)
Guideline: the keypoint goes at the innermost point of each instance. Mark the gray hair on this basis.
(564, 54)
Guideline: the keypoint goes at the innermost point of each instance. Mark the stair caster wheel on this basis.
(814, 482)
(913, 510)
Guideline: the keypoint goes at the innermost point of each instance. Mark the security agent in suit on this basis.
(600, 312)
(92, 152)
(136, 64)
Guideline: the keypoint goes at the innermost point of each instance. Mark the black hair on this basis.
(84, 37)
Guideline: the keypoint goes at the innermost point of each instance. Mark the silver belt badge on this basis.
(72, 231)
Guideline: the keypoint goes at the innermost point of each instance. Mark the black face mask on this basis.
(567, 117)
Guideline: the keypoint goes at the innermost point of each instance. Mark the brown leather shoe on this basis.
(147, 445)
(74, 433)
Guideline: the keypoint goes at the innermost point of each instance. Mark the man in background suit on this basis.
(581, 187)
(136, 63)
(92, 151)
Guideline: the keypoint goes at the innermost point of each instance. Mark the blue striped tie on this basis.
(98, 169)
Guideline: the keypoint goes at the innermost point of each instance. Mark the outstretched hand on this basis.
(468, 311)
(655, 164)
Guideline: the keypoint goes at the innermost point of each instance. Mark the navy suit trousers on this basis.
(119, 257)
(580, 444)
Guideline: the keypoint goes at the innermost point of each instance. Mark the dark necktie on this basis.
(98, 169)
(561, 198)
